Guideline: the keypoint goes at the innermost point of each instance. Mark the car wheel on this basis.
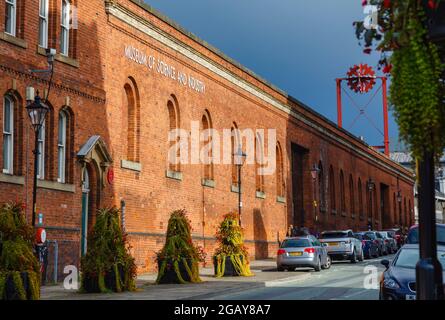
(362, 256)
(353, 257)
(328, 263)
(318, 266)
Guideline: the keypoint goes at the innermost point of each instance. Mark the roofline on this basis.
(222, 55)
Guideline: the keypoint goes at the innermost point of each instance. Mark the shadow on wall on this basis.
(259, 235)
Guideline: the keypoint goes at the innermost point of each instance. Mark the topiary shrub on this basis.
(19, 267)
(108, 265)
(178, 261)
(231, 257)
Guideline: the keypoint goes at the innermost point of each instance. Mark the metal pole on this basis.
(429, 285)
(239, 194)
(339, 106)
(34, 190)
(385, 116)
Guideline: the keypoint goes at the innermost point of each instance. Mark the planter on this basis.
(229, 270)
(12, 292)
(91, 282)
(170, 275)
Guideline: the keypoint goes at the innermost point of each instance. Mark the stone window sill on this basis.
(343, 214)
(52, 185)
(234, 188)
(130, 165)
(260, 194)
(13, 40)
(9, 178)
(208, 183)
(281, 199)
(60, 57)
(175, 175)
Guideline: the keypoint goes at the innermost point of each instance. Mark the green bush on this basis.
(16, 253)
(179, 248)
(107, 254)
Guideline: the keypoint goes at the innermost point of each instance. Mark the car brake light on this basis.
(309, 250)
(376, 242)
(281, 251)
(386, 240)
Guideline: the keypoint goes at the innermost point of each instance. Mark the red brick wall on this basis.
(96, 95)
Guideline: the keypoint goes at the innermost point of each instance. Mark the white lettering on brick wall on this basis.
(162, 68)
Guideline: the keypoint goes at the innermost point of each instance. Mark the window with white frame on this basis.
(8, 135)
(61, 147)
(43, 24)
(65, 28)
(41, 155)
(11, 17)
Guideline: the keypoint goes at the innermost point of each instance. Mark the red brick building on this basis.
(124, 76)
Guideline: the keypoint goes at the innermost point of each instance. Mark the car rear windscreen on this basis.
(332, 235)
(408, 258)
(295, 243)
(413, 235)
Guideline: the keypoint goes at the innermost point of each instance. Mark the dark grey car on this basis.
(306, 251)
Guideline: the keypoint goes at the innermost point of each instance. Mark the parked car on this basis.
(342, 245)
(390, 242)
(413, 234)
(397, 234)
(369, 244)
(379, 241)
(306, 251)
(399, 279)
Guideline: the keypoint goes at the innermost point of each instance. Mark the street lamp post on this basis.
(239, 159)
(37, 111)
(370, 185)
(314, 173)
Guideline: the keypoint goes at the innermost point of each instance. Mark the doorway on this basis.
(89, 205)
(299, 155)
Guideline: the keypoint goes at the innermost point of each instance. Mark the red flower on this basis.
(364, 2)
(387, 68)
(432, 4)
(387, 3)
(367, 51)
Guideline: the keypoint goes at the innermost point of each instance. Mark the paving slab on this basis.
(265, 274)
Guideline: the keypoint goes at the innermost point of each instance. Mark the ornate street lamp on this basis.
(37, 111)
(239, 159)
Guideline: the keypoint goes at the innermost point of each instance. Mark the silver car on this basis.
(305, 251)
(342, 245)
(390, 242)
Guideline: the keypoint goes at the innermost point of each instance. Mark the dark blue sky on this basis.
(300, 46)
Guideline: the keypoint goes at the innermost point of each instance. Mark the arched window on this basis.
(61, 147)
(206, 123)
(259, 154)
(8, 135)
(394, 205)
(133, 120)
(235, 142)
(41, 147)
(321, 187)
(342, 193)
(280, 172)
(410, 213)
(332, 191)
(351, 195)
(360, 198)
(174, 148)
(65, 28)
(405, 213)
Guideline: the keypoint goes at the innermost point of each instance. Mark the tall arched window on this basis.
(332, 190)
(133, 120)
(352, 195)
(360, 198)
(394, 206)
(206, 123)
(321, 187)
(342, 193)
(41, 147)
(8, 135)
(405, 213)
(61, 146)
(259, 154)
(65, 27)
(174, 121)
(410, 213)
(280, 172)
(11, 17)
(43, 23)
(235, 143)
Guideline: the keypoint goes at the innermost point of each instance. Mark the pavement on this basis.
(265, 272)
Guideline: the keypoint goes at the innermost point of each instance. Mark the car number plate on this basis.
(332, 244)
(295, 253)
(410, 297)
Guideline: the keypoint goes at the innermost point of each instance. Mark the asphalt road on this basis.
(343, 281)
